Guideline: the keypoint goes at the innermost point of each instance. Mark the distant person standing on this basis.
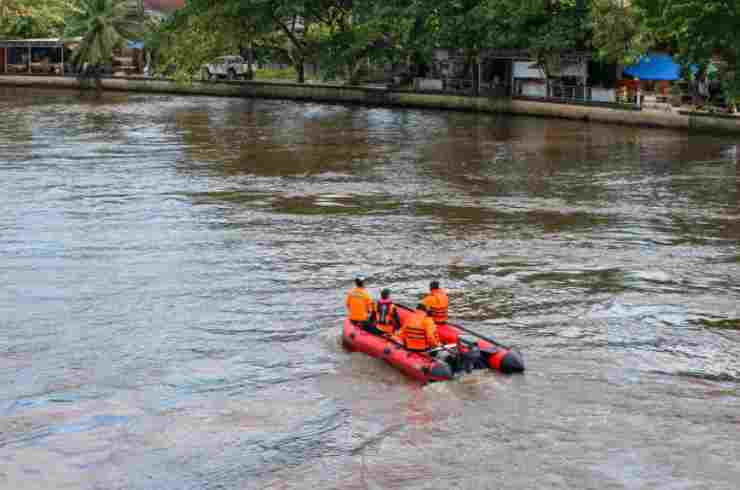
(360, 307)
(437, 303)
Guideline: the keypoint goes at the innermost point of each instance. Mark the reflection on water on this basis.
(174, 270)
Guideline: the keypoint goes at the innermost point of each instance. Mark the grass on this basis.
(276, 74)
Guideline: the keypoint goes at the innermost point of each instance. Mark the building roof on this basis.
(37, 43)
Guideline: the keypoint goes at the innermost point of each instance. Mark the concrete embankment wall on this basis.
(382, 97)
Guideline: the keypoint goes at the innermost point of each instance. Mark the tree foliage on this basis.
(706, 28)
(341, 36)
(104, 25)
(620, 33)
(34, 18)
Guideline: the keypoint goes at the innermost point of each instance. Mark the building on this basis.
(510, 72)
(35, 56)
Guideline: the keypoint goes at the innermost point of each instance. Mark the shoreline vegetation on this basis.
(574, 44)
(385, 97)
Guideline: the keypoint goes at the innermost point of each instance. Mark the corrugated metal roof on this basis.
(37, 43)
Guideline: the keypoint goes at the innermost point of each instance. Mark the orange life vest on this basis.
(359, 304)
(438, 304)
(419, 333)
(386, 315)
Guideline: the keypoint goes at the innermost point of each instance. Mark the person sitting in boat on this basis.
(387, 319)
(437, 303)
(419, 332)
(360, 306)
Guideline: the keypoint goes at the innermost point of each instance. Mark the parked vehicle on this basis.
(229, 67)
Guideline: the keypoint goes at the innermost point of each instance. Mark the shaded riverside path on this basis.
(173, 272)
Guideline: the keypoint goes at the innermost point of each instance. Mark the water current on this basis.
(173, 272)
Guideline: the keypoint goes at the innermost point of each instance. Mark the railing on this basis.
(560, 90)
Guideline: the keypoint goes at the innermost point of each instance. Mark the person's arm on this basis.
(396, 319)
(432, 335)
(370, 305)
(427, 301)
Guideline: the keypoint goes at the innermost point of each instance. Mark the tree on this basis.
(619, 33)
(704, 28)
(551, 27)
(34, 18)
(205, 29)
(299, 21)
(191, 38)
(104, 25)
(352, 33)
(545, 27)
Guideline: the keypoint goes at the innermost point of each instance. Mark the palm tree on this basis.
(104, 25)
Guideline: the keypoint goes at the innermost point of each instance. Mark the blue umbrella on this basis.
(655, 66)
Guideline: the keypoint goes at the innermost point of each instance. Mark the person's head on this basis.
(421, 307)
(360, 281)
(433, 285)
(385, 294)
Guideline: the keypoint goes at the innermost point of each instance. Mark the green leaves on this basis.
(342, 35)
(698, 30)
(33, 18)
(103, 26)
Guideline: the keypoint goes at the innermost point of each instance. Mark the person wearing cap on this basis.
(419, 332)
(386, 313)
(437, 303)
(360, 306)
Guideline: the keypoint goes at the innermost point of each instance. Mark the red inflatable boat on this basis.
(461, 353)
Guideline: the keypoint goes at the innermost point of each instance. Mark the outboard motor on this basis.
(469, 353)
(441, 370)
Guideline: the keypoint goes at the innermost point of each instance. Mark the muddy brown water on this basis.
(173, 271)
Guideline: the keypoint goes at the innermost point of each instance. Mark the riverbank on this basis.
(384, 97)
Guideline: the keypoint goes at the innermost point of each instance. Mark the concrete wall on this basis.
(382, 97)
(533, 88)
(599, 94)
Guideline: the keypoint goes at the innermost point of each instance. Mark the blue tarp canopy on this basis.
(136, 44)
(655, 66)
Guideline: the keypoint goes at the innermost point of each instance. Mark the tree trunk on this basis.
(250, 61)
(354, 72)
(301, 69)
(476, 77)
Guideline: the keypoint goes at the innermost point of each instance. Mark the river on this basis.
(173, 272)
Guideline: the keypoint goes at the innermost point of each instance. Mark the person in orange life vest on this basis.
(360, 306)
(386, 313)
(437, 303)
(419, 332)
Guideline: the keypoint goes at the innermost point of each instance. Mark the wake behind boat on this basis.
(460, 352)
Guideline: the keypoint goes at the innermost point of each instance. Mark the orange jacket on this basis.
(359, 304)
(419, 332)
(437, 303)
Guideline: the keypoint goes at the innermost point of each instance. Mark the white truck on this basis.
(229, 67)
